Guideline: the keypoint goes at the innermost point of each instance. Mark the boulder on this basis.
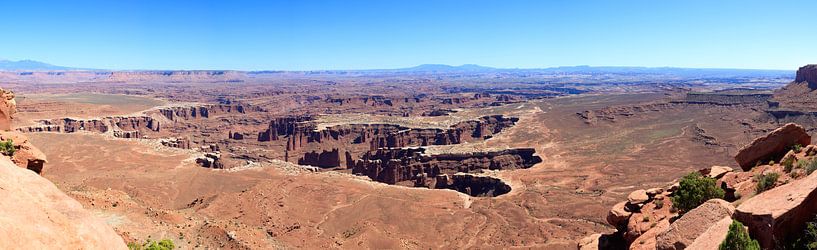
(684, 231)
(781, 211)
(590, 242)
(647, 240)
(25, 155)
(773, 145)
(618, 214)
(654, 191)
(673, 187)
(810, 150)
(712, 238)
(638, 197)
(715, 172)
(37, 215)
(736, 184)
(7, 108)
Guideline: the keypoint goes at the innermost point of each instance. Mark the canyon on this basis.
(231, 159)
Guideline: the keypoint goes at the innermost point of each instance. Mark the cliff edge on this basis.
(34, 213)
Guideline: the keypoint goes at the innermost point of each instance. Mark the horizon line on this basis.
(454, 67)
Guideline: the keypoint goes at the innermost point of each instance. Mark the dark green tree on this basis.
(738, 239)
(694, 190)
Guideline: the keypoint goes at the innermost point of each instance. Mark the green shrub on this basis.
(694, 190)
(808, 165)
(164, 244)
(808, 239)
(7, 147)
(797, 148)
(659, 204)
(766, 181)
(738, 239)
(788, 164)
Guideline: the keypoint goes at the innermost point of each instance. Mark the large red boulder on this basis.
(773, 145)
(781, 211)
(684, 232)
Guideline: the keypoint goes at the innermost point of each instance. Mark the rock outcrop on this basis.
(772, 146)
(8, 106)
(687, 230)
(25, 155)
(210, 160)
(37, 215)
(325, 159)
(473, 185)
(776, 214)
(782, 211)
(205, 111)
(397, 165)
(807, 74)
(300, 131)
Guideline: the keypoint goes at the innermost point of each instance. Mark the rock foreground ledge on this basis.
(37, 215)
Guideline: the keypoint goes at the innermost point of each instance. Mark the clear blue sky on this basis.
(301, 35)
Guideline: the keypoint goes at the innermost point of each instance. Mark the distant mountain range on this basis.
(30, 65)
(445, 68)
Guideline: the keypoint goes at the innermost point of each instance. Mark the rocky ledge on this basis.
(774, 201)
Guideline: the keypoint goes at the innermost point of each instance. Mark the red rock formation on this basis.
(772, 146)
(123, 127)
(300, 131)
(37, 215)
(176, 143)
(26, 155)
(807, 74)
(473, 185)
(324, 159)
(7, 109)
(72, 125)
(285, 126)
(798, 97)
(397, 165)
(210, 160)
(782, 211)
(685, 231)
(204, 111)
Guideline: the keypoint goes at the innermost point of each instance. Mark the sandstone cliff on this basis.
(799, 95)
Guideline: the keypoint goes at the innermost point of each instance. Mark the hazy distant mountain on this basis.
(29, 65)
(689, 72)
(446, 68)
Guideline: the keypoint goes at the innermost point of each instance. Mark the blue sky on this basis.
(305, 35)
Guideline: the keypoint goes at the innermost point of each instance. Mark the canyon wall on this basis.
(807, 74)
(411, 164)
